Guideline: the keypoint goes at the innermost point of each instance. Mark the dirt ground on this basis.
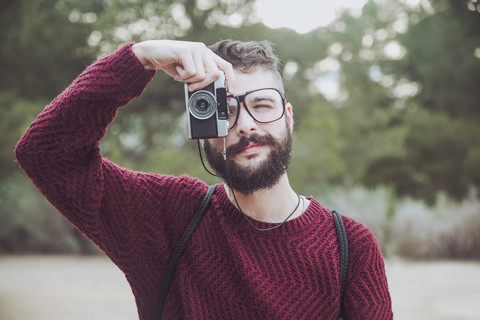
(74, 288)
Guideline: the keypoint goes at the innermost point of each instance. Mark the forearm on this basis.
(77, 119)
(60, 152)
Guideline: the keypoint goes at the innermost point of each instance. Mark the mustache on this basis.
(266, 140)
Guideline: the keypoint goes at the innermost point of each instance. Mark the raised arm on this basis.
(60, 150)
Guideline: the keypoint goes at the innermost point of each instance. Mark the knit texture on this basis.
(228, 269)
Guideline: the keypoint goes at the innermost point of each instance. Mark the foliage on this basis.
(29, 224)
(383, 99)
(42, 51)
(442, 119)
(318, 135)
(447, 230)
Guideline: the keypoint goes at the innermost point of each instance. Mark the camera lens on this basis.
(202, 104)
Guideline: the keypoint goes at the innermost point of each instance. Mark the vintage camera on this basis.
(207, 111)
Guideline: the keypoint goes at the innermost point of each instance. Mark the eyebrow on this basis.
(263, 98)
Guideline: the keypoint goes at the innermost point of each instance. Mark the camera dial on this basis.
(202, 104)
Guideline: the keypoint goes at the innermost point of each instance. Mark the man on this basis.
(260, 252)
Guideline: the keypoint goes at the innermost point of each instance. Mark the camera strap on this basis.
(177, 253)
(342, 254)
(224, 152)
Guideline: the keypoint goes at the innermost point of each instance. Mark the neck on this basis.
(270, 205)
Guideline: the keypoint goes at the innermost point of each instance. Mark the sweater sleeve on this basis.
(60, 150)
(366, 292)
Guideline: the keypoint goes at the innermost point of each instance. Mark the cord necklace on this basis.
(271, 228)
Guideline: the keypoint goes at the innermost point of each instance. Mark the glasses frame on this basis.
(241, 101)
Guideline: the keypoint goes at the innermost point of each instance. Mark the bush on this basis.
(30, 224)
(447, 230)
(405, 227)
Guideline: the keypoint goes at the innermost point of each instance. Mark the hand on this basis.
(188, 62)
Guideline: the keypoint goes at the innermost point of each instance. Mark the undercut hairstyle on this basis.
(248, 56)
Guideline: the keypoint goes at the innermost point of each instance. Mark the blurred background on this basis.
(385, 93)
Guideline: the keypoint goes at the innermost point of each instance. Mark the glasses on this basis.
(263, 105)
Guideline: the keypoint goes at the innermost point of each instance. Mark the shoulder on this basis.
(153, 187)
(362, 243)
(365, 254)
(367, 294)
(358, 234)
(173, 199)
(175, 186)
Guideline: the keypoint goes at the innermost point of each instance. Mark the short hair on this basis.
(247, 56)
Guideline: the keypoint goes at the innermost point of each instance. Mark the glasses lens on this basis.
(232, 111)
(265, 105)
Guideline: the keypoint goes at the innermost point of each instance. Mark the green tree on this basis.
(45, 45)
(385, 98)
(441, 144)
(42, 51)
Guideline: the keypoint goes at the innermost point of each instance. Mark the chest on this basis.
(257, 277)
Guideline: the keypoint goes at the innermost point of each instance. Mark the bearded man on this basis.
(261, 251)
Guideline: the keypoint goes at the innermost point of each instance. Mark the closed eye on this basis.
(262, 106)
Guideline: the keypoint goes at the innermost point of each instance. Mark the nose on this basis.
(245, 123)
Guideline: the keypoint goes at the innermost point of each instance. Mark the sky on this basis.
(303, 15)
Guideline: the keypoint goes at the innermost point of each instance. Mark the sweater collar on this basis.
(223, 207)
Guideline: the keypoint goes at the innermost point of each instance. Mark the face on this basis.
(257, 153)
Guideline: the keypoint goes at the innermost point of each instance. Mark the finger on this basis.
(176, 73)
(186, 67)
(226, 67)
(197, 85)
(209, 61)
(212, 71)
(200, 72)
(197, 73)
(207, 71)
(194, 81)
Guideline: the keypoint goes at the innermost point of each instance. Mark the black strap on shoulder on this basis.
(342, 252)
(177, 253)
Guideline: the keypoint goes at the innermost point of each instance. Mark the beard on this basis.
(264, 175)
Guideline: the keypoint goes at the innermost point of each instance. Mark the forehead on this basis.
(258, 78)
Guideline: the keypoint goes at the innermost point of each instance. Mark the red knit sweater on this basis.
(228, 270)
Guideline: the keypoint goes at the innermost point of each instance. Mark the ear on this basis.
(289, 115)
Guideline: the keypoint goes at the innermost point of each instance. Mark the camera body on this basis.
(207, 111)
